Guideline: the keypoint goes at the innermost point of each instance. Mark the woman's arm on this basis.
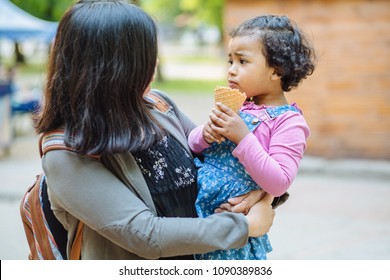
(88, 191)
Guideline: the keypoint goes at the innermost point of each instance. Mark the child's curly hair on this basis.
(283, 45)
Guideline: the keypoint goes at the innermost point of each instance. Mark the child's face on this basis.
(248, 69)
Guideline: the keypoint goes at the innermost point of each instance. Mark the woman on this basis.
(134, 199)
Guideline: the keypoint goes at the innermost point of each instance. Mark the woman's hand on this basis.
(257, 204)
(227, 123)
(260, 217)
(241, 204)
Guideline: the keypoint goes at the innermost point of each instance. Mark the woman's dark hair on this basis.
(283, 45)
(102, 61)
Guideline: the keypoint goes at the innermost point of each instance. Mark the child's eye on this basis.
(230, 62)
(243, 61)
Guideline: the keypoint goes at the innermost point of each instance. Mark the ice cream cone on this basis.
(232, 98)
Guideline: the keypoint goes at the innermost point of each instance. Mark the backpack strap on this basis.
(159, 102)
(54, 140)
(75, 252)
(34, 224)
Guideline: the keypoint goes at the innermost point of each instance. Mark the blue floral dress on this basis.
(220, 177)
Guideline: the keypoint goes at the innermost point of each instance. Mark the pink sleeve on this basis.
(274, 167)
(196, 141)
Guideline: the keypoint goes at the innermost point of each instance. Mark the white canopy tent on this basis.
(18, 25)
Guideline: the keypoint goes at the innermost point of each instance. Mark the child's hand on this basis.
(211, 136)
(228, 124)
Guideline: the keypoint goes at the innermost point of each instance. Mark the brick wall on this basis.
(347, 100)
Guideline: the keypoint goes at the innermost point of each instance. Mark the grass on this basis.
(28, 68)
(188, 87)
(32, 68)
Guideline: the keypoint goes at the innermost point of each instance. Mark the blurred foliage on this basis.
(204, 11)
(51, 10)
(190, 13)
(186, 13)
(163, 10)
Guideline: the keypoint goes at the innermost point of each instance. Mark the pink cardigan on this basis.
(272, 153)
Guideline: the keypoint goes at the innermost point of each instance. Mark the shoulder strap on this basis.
(54, 140)
(34, 223)
(276, 111)
(75, 252)
(160, 103)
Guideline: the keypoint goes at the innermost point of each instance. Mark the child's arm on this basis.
(196, 142)
(202, 136)
(275, 168)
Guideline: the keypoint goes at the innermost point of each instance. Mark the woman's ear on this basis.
(148, 88)
(275, 76)
(155, 69)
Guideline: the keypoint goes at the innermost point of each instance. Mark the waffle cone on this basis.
(232, 98)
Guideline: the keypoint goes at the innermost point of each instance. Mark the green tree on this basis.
(51, 10)
(204, 11)
(197, 12)
(200, 11)
(164, 10)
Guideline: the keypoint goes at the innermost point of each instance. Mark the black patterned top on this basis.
(170, 174)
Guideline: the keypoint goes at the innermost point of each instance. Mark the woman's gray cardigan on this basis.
(114, 202)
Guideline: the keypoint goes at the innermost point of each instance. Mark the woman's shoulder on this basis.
(163, 96)
(63, 163)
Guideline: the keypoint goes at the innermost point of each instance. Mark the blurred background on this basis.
(339, 205)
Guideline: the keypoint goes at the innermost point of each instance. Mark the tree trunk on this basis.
(159, 75)
(19, 57)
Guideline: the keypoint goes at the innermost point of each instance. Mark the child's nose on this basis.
(232, 71)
